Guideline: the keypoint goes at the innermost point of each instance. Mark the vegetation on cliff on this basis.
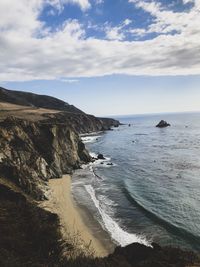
(29, 236)
(39, 140)
(34, 100)
(31, 153)
(39, 144)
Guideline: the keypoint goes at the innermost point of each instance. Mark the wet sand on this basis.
(61, 202)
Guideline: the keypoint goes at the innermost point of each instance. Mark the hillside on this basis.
(40, 141)
(46, 109)
(34, 100)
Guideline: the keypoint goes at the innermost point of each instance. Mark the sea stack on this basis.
(163, 124)
(100, 156)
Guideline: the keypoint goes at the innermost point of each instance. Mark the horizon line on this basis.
(153, 113)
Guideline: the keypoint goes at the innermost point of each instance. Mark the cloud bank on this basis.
(30, 50)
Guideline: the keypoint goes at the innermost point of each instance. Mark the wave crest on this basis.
(120, 236)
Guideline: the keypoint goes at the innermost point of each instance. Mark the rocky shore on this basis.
(37, 147)
(39, 140)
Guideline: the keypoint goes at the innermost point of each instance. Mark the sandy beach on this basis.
(61, 202)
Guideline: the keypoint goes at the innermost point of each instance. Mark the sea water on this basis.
(151, 192)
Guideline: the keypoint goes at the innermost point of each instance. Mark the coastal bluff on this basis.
(31, 153)
(39, 141)
(37, 144)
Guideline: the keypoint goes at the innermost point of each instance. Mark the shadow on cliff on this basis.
(29, 236)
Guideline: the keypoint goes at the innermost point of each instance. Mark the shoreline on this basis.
(73, 226)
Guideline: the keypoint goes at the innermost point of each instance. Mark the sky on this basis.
(107, 57)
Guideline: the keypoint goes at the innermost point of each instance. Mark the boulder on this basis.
(162, 124)
(100, 156)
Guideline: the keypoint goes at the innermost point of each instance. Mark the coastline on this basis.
(73, 226)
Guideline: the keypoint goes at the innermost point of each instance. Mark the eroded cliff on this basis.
(33, 152)
(37, 144)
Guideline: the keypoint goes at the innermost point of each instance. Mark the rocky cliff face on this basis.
(33, 149)
(40, 107)
(84, 123)
(33, 152)
(39, 139)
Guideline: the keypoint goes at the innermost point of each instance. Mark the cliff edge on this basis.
(39, 140)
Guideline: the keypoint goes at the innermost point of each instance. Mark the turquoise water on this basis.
(152, 190)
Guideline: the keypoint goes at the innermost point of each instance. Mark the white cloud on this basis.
(69, 80)
(20, 16)
(114, 33)
(187, 1)
(59, 4)
(117, 32)
(138, 31)
(127, 22)
(29, 50)
(167, 21)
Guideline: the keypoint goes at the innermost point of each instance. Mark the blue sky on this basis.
(105, 56)
(120, 94)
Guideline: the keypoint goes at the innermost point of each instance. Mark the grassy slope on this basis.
(29, 235)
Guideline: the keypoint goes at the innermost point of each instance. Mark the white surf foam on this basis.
(122, 237)
(90, 139)
(102, 164)
(107, 201)
(93, 155)
(91, 134)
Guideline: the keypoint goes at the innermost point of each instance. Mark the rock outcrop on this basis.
(162, 124)
(42, 142)
(34, 149)
(31, 153)
(100, 156)
(84, 123)
(135, 255)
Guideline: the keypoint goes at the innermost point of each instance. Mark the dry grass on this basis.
(4, 106)
(24, 112)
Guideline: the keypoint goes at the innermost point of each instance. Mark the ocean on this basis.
(148, 187)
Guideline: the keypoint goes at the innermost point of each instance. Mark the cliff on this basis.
(30, 237)
(39, 140)
(33, 152)
(84, 123)
(49, 109)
